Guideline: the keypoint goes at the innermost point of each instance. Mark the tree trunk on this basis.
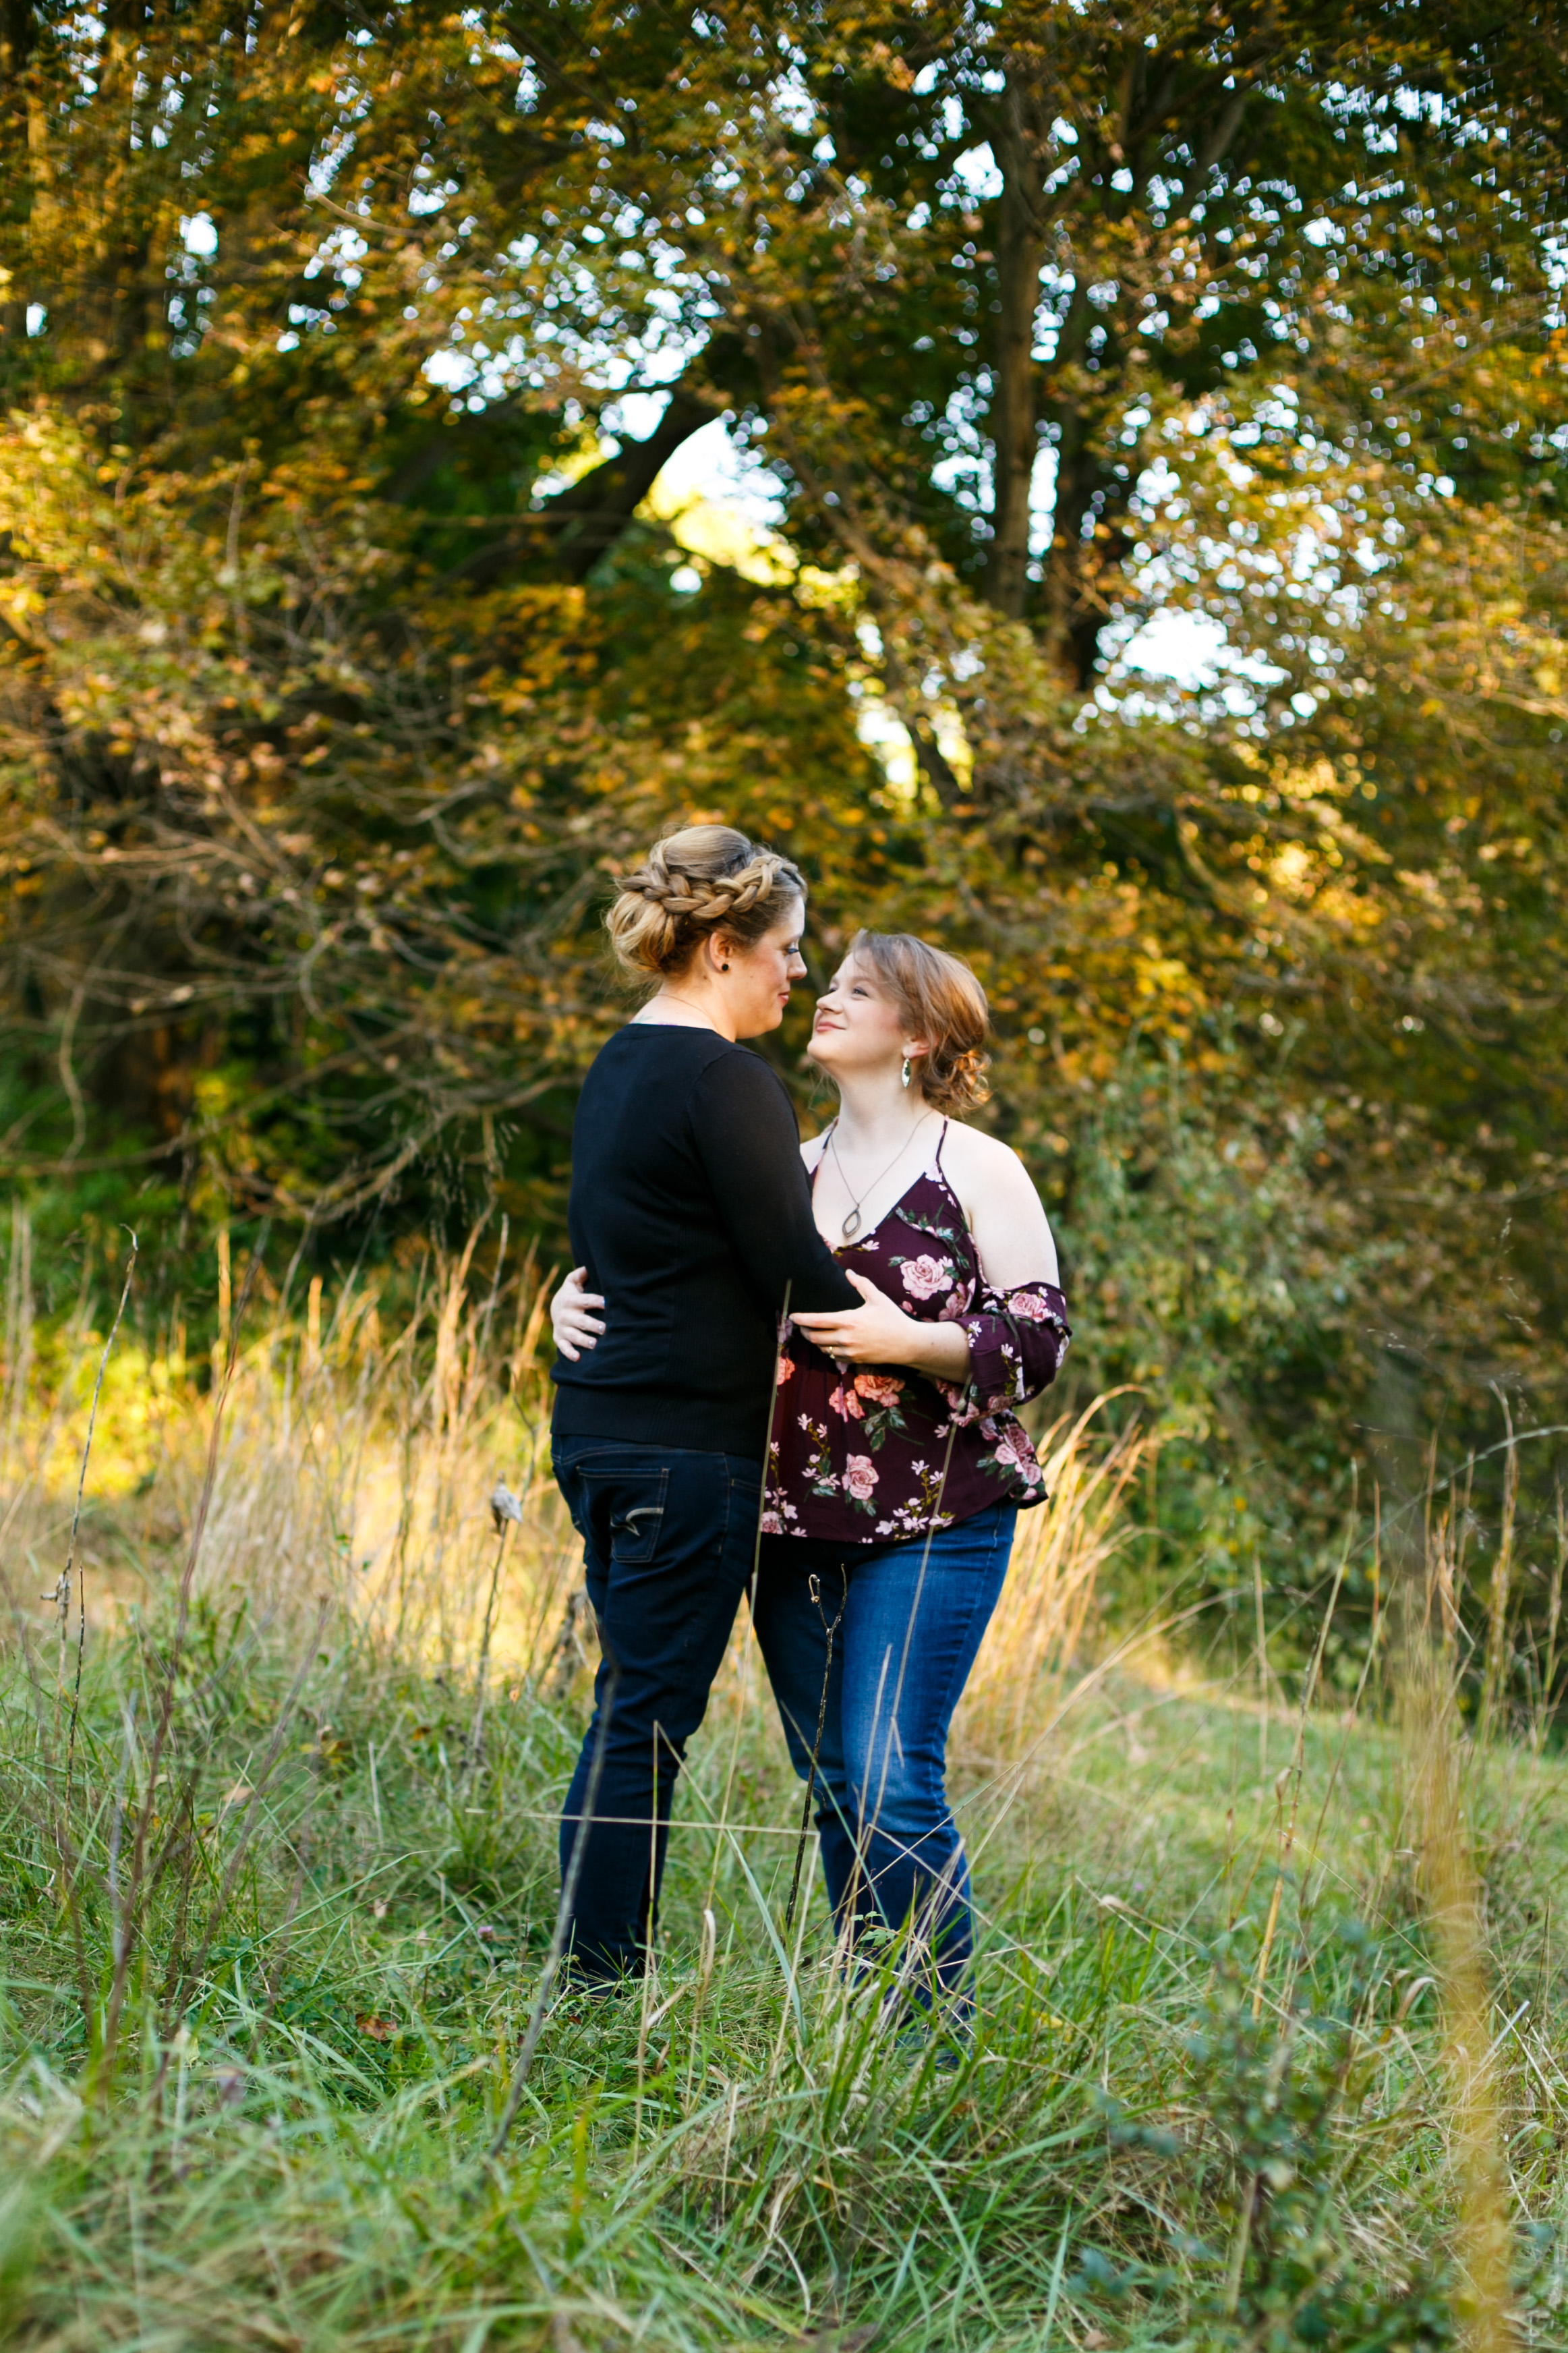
(1059, 607)
(1020, 251)
(579, 525)
(592, 515)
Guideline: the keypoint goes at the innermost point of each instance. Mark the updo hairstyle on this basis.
(942, 1002)
(705, 878)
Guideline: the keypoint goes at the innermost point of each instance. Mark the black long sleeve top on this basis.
(691, 1211)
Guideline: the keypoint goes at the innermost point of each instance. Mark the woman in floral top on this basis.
(897, 1464)
(876, 1456)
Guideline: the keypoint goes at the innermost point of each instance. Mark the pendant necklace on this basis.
(851, 1225)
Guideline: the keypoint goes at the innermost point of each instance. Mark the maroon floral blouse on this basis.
(867, 1455)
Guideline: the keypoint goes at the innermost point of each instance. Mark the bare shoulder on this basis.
(1003, 1206)
(974, 1158)
(813, 1148)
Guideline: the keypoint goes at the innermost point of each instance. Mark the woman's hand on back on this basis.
(881, 1334)
(575, 1328)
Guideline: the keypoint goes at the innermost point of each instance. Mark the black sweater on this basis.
(692, 1212)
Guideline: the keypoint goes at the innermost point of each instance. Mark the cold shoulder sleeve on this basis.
(1017, 1340)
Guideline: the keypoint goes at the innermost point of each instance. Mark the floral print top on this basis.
(865, 1455)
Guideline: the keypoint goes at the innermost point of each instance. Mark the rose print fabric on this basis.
(860, 1454)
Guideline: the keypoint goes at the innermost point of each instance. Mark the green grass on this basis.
(271, 1936)
(288, 2146)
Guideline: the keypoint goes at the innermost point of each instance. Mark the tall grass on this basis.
(272, 1940)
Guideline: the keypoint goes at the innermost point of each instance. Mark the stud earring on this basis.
(904, 1079)
(723, 968)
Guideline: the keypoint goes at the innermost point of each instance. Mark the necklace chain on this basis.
(851, 1225)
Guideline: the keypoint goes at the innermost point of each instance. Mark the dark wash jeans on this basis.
(912, 1622)
(668, 1539)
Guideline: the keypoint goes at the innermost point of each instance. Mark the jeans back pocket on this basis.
(629, 1505)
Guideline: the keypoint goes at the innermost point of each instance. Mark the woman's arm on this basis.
(578, 1329)
(1005, 1213)
(876, 1333)
(1018, 1331)
(880, 1332)
(744, 1131)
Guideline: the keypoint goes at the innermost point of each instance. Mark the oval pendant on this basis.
(851, 1226)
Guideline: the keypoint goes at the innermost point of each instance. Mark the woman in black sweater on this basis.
(690, 1207)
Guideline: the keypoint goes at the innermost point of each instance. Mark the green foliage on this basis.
(1215, 1291)
(1286, 2098)
(342, 656)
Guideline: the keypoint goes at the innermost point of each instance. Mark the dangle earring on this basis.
(904, 1077)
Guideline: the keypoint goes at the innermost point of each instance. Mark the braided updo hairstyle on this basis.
(940, 999)
(705, 878)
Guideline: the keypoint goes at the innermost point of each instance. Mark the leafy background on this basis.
(348, 646)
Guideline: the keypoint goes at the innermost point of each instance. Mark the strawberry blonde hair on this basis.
(942, 1002)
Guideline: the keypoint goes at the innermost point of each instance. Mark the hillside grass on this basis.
(278, 1890)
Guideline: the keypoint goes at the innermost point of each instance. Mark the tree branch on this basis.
(587, 520)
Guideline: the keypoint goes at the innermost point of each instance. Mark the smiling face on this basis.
(860, 1026)
(757, 984)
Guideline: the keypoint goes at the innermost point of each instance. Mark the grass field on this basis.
(1270, 1996)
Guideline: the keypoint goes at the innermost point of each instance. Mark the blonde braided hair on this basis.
(705, 878)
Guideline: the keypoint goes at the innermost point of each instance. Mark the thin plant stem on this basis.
(1262, 1670)
(477, 1729)
(521, 2073)
(752, 1588)
(815, 1585)
(1296, 1761)
(76, 1517)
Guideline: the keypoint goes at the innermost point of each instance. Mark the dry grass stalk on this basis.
(1453, 1898)
(72, 1569)
(1291, 1779)
(1061, 1551)
(1498, 1657)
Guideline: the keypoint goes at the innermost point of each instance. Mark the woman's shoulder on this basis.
(736, 1082)
(970, 1152)
(679, 1063)
(692, 1045)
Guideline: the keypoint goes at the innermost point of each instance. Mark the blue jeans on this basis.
(912, 1622)
(668, 1538)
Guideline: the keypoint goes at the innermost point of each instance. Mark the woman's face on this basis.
(758, 982)
(859, 1025)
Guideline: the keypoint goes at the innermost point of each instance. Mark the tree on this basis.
(345, 657)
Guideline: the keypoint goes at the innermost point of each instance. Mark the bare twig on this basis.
(505, 1510)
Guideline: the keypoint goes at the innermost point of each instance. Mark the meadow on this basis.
(1270, 2007)
(1089, 481)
